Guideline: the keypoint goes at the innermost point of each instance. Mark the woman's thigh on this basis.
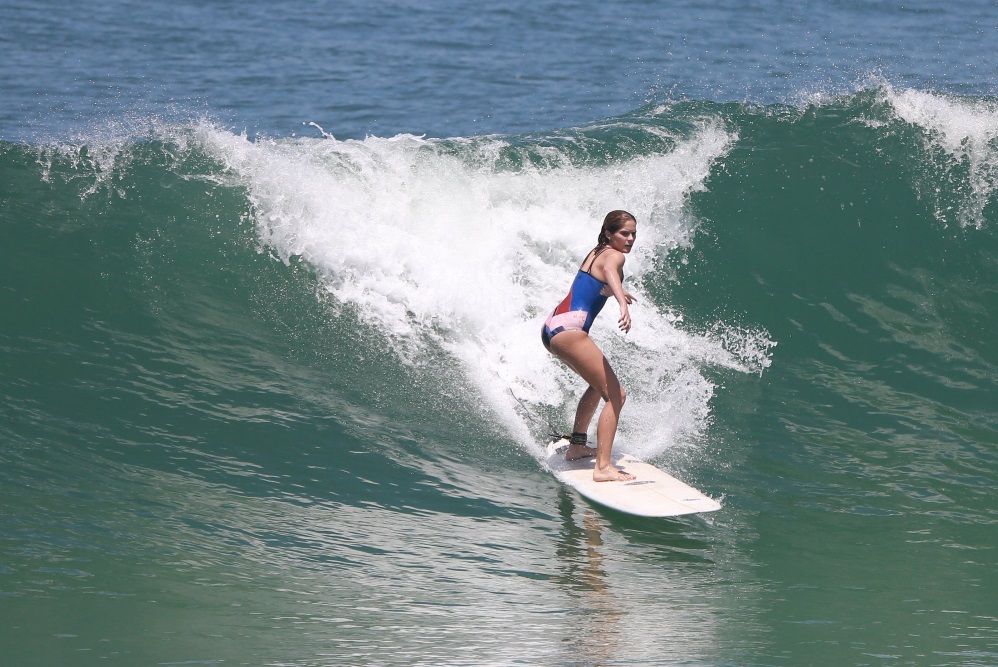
(579, 351)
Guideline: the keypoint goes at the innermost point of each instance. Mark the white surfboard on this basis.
(653, 492)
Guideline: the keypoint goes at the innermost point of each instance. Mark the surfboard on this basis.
(653, 492)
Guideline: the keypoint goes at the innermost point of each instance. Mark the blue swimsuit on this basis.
(578, 310)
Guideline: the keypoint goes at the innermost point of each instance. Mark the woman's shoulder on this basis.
(608, 259)
(608, 254)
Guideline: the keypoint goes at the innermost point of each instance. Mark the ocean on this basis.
(272, 277)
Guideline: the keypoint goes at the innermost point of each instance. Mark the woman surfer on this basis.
(566, 335)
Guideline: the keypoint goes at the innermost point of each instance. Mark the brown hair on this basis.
(612, 223)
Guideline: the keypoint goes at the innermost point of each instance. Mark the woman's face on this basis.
(622, 239)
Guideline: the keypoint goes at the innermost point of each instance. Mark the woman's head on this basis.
(613, 223)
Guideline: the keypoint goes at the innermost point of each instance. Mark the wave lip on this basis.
(961, 140)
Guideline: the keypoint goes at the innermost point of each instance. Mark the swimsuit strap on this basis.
(595, 252)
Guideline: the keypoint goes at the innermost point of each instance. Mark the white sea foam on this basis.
(435, 245)
(966, 131)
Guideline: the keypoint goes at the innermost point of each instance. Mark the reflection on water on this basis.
(595, 616)
(652, 591)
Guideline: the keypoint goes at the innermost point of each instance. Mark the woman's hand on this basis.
(625, 316)
(625, 319)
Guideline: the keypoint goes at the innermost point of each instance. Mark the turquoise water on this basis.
(278, 398)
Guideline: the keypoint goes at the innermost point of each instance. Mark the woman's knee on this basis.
(615, 394)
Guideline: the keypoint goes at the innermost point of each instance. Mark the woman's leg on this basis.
(583, 417)
(578, 350)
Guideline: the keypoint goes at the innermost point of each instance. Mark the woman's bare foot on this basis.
(575, 452)
(611, 474)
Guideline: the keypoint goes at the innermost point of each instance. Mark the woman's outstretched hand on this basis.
(625, 317)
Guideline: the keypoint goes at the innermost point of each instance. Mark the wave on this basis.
(405, 279)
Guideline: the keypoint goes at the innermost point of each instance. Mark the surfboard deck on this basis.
(653, 492)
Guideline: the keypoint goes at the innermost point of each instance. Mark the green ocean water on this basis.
(281, 401)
